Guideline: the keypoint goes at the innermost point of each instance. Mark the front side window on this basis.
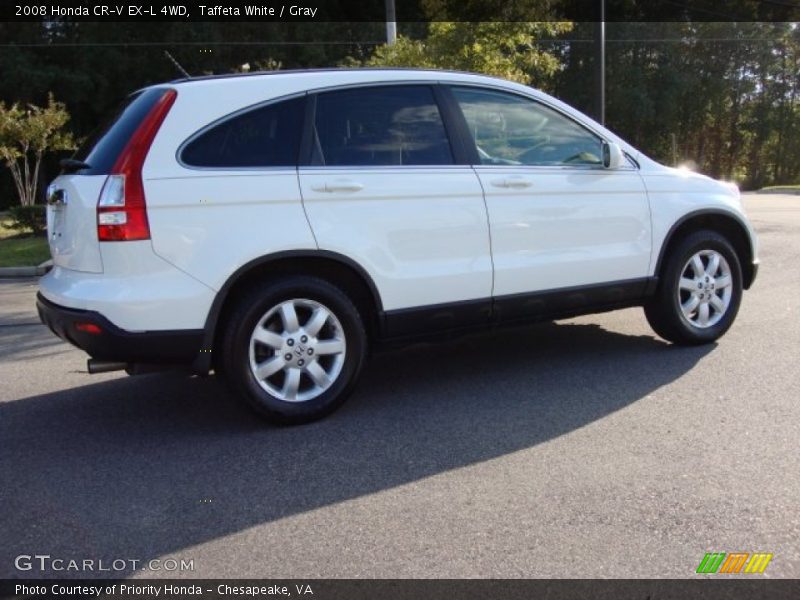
(511, 130)
(268, 136)
(396, 125)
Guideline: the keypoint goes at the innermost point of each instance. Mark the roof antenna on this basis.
(177, 64)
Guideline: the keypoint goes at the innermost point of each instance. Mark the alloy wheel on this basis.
(297, 350)
(705, 289)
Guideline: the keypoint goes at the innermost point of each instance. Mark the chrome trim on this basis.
(57, 197)
(377, 168)
(541, 168)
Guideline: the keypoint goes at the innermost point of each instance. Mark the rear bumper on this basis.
(114, 344)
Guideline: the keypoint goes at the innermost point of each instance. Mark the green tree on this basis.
(26, 135)
(504, 49)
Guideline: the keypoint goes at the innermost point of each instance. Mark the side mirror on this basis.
(613, 158)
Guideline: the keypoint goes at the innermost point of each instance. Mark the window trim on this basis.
(451, 128)
(632, 166)
(235, 114)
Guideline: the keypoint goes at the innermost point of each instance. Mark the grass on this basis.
(21, 249)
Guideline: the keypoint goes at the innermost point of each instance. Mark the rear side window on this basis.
(268, 136)
(103, 147)
(397, 125)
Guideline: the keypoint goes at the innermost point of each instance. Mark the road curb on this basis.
(782, 191)
(9, 272)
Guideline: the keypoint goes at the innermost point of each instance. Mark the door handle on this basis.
(338, 185)
(513, 182)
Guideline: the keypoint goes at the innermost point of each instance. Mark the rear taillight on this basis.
(121, 208)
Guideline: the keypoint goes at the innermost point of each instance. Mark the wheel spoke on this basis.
(330, 347)
(289, 317)
(316, 321)
(702, 314)
(717, 304)
(269, 367)
(292, 384)
(687, 284)
(713, 265)
(690, 305)
(318, 374)
(697, 266)
(268, 338)
(722, 282)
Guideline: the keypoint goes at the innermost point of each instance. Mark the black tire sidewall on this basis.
(252, 308)
(704, 240)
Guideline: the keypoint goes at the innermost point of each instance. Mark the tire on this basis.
(268, 353)
(675, 312)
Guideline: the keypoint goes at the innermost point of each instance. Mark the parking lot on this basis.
(583, 448)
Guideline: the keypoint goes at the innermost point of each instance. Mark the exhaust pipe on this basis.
(95, 366)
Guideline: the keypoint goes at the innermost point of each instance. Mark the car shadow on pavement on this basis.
(146, 466)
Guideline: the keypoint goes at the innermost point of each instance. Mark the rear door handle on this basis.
(513, 182)
(338, 185)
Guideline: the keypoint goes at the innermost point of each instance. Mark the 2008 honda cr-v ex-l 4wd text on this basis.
(273, 227)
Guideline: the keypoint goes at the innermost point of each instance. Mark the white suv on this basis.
(272, 227)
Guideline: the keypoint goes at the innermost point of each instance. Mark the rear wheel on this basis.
(294, 349)
(699, 291)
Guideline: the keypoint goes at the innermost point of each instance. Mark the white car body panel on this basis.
(137, 291)
(72, 227)
(420, 233)
(675, 193)
(570, 227)
(208, 223)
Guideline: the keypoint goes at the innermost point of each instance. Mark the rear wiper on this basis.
(70, 165)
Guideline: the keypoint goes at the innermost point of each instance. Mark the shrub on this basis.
(29, 218)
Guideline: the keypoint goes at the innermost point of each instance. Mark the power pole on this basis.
(600, 62)
(391, 23)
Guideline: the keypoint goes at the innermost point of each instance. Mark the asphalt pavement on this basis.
(584, 448)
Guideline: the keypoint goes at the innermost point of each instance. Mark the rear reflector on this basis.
(121, 207)
(88, 328)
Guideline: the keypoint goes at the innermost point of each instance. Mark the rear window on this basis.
(101, 149)
(268, 136)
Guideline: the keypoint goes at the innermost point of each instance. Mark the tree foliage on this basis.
(725, 96)
(26, 134)
(503, 49)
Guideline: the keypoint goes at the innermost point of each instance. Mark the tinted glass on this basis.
(398, 125)
(103, 147)
(510, 130)
(263, 137)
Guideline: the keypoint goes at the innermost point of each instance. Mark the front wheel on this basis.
(293, 349)
(699, 290)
